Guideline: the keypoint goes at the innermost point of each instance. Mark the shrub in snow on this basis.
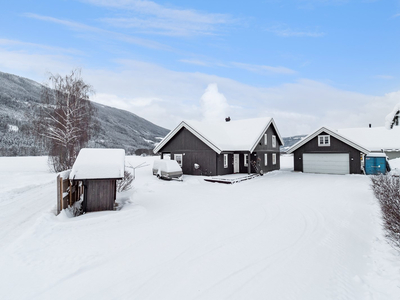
(387, 191)
(125, 183)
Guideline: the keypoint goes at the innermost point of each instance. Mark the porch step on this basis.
(222, 179)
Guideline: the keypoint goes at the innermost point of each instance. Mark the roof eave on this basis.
(193, 131)
(332, 133)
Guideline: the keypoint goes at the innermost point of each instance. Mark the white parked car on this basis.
(167, 169)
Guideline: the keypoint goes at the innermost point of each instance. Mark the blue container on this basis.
(376, 164)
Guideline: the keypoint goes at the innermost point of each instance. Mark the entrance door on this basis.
(235, 163)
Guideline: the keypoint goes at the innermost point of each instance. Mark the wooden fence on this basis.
(67, 193)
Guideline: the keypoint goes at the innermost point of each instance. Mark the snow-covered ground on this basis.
(285, 235)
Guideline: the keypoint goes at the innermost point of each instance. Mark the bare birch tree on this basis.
(67, 119)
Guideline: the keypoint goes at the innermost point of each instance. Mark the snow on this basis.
(148, 141)
(375, 138)
(239, 135)
(284, 235)
(166, 165)
(377, 154)
(389, 118)
(98, 164)
(13, 128)
(335, 133)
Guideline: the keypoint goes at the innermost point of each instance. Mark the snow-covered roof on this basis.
(375, 138)
(99, 164)
(389, 120)
(335, 134)
(241, 135)
(376, 154)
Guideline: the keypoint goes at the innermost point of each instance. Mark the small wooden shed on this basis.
(99, 170)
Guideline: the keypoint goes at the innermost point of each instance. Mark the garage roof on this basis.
(331, 133)
(375, 138)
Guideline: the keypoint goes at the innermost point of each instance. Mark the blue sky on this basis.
(307, 63)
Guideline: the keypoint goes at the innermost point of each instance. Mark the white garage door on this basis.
(326, 163)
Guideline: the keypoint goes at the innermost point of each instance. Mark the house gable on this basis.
(334, 145)
(184, 140)
(326, 131)
(271, 131)
(242, 135)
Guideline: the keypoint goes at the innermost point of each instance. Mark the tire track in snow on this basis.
(21, 209)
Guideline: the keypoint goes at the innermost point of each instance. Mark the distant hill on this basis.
(290, 141)
(118, 128)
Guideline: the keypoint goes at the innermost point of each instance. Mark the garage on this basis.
(326, 163)
(326, 151)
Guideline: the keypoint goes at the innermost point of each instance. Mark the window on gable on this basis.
(324, 140)
(265, 159)
(246, 160)
(225, 160)
(274, 158)
(274, 141)
(265, 139)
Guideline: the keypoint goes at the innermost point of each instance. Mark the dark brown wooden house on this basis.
(98, 170)
(327, 152)
(243, 146)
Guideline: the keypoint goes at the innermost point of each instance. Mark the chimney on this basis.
(370, 125)
(227, 119)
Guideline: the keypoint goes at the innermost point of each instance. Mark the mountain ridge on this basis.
(117, 128)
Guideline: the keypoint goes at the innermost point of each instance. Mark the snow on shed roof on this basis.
(375, 138)
(240, 135)
(99, 164)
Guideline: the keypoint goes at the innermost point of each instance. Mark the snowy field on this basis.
(285, 235)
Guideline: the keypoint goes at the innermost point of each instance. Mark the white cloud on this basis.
(259, 69)
(106, 33)
(158, 19)
(7, 42)
(195, 62)
(263, 69)
(34, 65)
(166, 97)
(285, 31)
(396, 15)
(214, 105)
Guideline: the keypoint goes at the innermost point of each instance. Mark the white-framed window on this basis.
(274, 141)
(265, 159)
(179, 159)
(274, 158)
(265, 139)
(324, 140)
(246, 160)
(167, 156)
(225, 160)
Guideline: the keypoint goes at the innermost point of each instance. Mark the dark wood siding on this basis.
(269, 167)
(270, 132)
(336, 146)
(193, 151)
(221, 170)
(261, 149)
(184, 140)
(99, 195)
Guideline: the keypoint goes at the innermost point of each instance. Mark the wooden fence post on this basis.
(59, 195)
